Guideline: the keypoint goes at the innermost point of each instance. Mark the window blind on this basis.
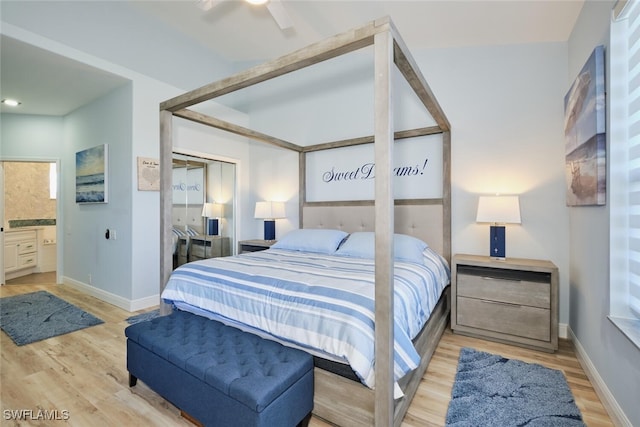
(633, 155)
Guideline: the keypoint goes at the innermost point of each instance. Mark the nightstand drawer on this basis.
(512, 319)
(198, 250)
(505, 289)
(252, 248)
(255, 245)
(209, 247)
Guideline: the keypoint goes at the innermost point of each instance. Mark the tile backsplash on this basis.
(26, 194)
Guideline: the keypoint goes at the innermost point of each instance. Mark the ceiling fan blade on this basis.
(280, 14)
(207, 4)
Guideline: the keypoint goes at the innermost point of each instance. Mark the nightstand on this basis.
(513, 301)
(203, 246)
(183, 250)
(254, 245)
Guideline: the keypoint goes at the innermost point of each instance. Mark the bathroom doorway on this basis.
(30, 221)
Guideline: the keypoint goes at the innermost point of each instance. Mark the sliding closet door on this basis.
(204, 204)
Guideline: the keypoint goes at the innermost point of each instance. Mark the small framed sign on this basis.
(148, 174)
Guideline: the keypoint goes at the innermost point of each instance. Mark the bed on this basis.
(314, 290)
(337, 399)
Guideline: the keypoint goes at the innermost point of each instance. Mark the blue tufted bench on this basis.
(219, 375)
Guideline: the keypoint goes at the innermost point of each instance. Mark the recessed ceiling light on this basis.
(11, 102)
(258, 2)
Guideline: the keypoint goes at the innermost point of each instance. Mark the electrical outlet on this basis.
(113, 234)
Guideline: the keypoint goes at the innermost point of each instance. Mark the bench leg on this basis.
(132, 380)
(305, 421)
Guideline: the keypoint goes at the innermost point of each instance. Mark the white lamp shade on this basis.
(269, 210)
(212, 210)
(499, 209)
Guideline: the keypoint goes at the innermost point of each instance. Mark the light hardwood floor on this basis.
(85, 373)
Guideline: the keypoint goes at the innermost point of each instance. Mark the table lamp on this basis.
(269, 211)
(213, 212)
(498, 210)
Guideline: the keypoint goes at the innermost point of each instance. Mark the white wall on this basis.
(89, 257)
(28, 136)
(274, 177)
(613, 357)
(505, 105)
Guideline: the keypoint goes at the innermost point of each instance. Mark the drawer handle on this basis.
(29, 261)
(501, 278)
(500, 303)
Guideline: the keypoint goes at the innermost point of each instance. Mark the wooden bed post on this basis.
(446, 193)
(166, 196)
(302, 183)
(384, 225)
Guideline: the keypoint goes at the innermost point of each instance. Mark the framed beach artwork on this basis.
(92, 175)
(585, 135)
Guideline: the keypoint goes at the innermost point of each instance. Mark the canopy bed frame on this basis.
(339, 400)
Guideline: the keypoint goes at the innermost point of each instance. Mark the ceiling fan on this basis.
(275, 7)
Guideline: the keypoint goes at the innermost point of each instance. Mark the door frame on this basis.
(59, 218)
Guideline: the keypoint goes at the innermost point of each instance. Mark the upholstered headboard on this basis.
(424, 221)
(189, 215)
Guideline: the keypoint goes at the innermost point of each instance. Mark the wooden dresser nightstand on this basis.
(513, 301)
(183, 251)
(254, 245)
(202, 247)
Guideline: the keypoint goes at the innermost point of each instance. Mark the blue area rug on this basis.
(149, 315)
(490, 390)
(39, 315)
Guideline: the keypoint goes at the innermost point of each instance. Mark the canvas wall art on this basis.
(92, 175)
(585, 135)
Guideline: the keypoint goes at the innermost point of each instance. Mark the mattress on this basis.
(321, 303)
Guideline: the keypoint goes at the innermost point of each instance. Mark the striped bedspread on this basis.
(321, 303)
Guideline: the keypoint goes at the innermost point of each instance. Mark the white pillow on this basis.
(311, 240)
(362, 245)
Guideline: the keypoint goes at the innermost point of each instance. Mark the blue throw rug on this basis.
(39, 315)
(149, 315)
(490, 390)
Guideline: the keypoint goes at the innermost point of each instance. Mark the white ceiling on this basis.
(243, 32)
(240, 32)
(47, 83)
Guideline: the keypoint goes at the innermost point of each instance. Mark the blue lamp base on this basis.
(497, 241)
(269, 229)
(212, 227)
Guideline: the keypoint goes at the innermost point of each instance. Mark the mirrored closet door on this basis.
(203, 213)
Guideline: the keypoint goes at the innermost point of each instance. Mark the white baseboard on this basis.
(562, 331)
(118, 301)
(608, 401)
(142, 303)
